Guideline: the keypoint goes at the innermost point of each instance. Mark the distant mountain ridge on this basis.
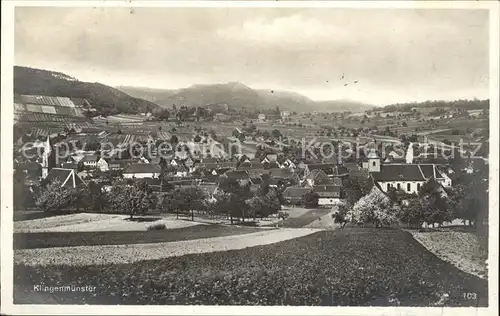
(106, 99)
(238, 95)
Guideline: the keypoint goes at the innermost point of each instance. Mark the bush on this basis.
(249, 223)
(283, 215)
(158, 226)
(310, 199)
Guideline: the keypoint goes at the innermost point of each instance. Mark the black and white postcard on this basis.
(260, 157)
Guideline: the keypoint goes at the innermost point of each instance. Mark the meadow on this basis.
(346, 267)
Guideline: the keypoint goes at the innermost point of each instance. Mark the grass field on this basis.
(24, 215)
(352, 266)
(305, 219)
(458, 246)
(68, 239)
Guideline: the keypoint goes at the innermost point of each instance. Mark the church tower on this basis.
(373, 162)
(47, 151)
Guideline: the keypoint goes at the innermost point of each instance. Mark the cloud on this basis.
(395, 54)
(289, 29)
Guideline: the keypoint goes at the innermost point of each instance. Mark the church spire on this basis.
(47, 150)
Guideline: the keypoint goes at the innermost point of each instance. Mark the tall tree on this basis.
(357, 186)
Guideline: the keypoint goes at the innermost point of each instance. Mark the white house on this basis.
(407, 177)
(174, 163)
(261, 117)
(90, 161)
(328, 194)
(181, 171)
(102, 164)
(285, 115)
(141, 170)
(316, 177)
(289, 164)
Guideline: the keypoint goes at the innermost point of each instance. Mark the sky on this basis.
(395, 55)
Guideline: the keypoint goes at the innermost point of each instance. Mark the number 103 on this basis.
(470, 296)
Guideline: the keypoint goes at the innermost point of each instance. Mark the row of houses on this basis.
(299, 178)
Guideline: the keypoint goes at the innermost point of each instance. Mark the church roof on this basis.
(68, 177)
(399, 172)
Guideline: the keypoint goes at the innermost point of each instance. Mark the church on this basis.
(68, 177)
(400, 176)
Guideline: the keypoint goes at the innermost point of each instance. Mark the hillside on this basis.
(458, 104)
(149, 94)
(105, 99)
(238, 95)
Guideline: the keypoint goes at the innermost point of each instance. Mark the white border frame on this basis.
(7, 55)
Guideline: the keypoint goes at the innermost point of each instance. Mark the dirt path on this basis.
(326, 221)
(115, 254)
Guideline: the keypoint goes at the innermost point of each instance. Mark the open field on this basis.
(24, 215)
(128, 253)
(351, 266)
(88, 222)
(71, 239)
(460, 248)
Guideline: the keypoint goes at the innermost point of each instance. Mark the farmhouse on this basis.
(141, 170)
(269, 158)
(316, 177)
(68, 177)
(250, 166)
(227, 165)
(241, 176)
(90, 161)
(293, 195)
(102, 164)
(285, 115)
(328, 194)
(181, 171)
(119, 164)
(289, 164)
(327, 168)
(283, 174)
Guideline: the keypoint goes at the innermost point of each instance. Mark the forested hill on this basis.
(107, 100)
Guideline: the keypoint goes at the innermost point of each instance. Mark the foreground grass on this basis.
(67, 239)
(24, 215)
(353, 266)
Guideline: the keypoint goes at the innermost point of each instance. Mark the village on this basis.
(247, 178)
(167, 156)
(282, 155)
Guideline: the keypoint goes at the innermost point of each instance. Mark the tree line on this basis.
(434, 205)
(233, 199)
